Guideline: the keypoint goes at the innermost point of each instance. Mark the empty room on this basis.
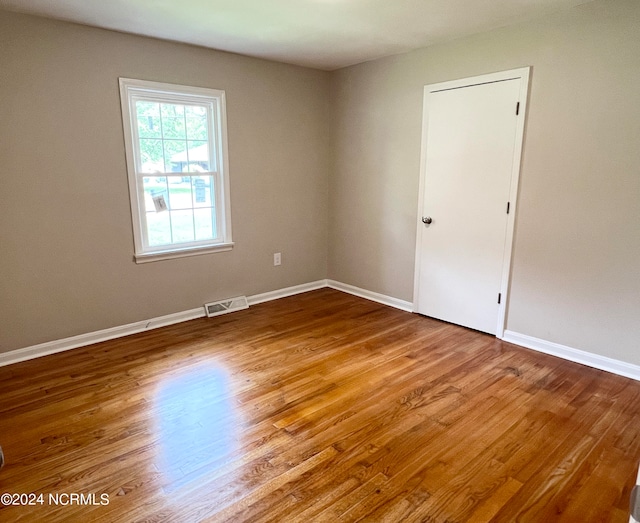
(319, 261)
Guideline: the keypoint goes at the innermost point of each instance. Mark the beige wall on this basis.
(576, 265)
(66, 241)
(320, 163)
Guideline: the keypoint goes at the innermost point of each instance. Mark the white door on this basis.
(473, 137)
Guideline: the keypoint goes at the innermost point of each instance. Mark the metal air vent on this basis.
(217, 308)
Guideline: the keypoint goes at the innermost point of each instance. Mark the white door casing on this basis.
(470, 163)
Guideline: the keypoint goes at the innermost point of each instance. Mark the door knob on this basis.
(426, 220)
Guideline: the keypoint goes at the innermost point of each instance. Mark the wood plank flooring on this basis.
(319, 407)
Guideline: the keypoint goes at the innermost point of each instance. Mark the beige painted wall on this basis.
(66, 241)
(305, 142)
(576, 265)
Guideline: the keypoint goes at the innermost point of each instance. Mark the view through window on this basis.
(175, 138)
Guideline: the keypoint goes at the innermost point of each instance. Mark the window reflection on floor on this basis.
(197, 426)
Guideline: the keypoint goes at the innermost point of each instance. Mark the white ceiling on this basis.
(324, 34)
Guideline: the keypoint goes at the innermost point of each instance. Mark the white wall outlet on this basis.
(277, 258)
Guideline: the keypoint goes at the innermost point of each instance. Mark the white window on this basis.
(176, 148)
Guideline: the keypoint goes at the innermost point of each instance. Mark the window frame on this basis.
(132, 90)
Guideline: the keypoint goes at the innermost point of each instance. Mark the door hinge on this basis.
(499, 297)
(517, 108)
(508, 207)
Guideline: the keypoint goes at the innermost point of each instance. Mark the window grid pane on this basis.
(170, 142)
(158, 229)
(185, 206)
(204, 223)
(182, 226)
(174, 140)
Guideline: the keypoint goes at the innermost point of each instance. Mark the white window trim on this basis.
(217, 142)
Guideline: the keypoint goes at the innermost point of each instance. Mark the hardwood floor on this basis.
(318, 407)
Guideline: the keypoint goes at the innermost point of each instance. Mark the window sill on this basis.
(181, 253)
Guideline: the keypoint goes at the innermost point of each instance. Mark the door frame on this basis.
(523, 75)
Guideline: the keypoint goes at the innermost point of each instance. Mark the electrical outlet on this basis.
(277, 259)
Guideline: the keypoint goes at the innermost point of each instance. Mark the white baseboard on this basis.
(629, 370)
(82, 340)
(597, 361)
(370, 295)
(288, 291)
(51, 347)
